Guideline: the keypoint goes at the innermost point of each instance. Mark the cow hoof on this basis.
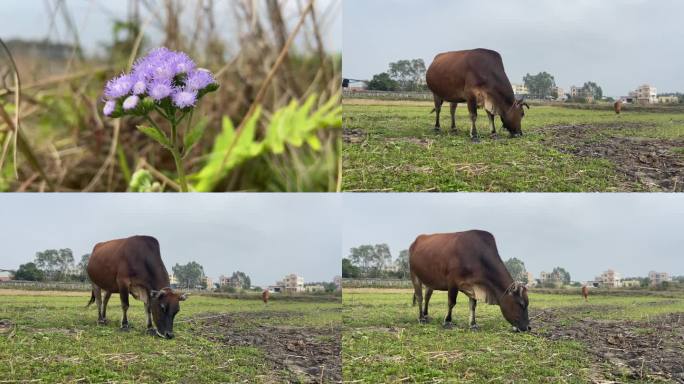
(436, 130)
(474, 327)
(447, 325)
(494, 136)
(475, 139)
(125, 328)
(102, 321)
(422, 320)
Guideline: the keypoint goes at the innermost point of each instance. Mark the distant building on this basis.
(209, 282)
(227, 281)
(658, 278)
(668, 100)
(631, 283)
(530, 279)
(338, 283)
(560, 93)
(609, 279)
(290, 283)
(645, 94)
(546, 278)
(314, 288)
(520, 89)
(172, 280)
(5, 276)
(576, 91)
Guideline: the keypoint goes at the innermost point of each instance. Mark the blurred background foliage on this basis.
(291, 141)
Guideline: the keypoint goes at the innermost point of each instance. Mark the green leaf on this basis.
(157, 135)
(194, 135)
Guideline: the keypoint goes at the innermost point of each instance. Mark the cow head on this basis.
(512, 119)
(164, 305)
(513, 305)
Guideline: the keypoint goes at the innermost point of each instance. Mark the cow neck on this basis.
(502, 284)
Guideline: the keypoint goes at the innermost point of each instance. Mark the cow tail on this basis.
(92, 298)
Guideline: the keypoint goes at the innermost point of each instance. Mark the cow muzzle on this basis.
(165, 335)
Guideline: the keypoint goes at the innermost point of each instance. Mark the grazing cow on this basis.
(265, 295)
(617, 106)
(476, 77)
(468, 262)
(585, 292)
(134, 266)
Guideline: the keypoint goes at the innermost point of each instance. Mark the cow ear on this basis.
(184, 296)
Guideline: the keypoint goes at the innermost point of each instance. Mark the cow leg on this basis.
(491, 122)
(453, 292)
(472, 304)
(452, 110)
(418, 297)
(123, 293)
(98, 300)
(472, 109)
(104, 306)
(428, 295)
(438, 108)
(148, 311)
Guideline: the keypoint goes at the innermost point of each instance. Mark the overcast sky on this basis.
(584, 233)
(30, 19)
(617, 44)
(264, 235)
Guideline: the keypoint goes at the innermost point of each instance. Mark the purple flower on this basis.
(109, 107)
(118, 87)
(160, 89)
(182, 63)
(139, 84)
(199, 79)
(131, 102)
(184, 98)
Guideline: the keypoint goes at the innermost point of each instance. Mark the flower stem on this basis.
(177, 157)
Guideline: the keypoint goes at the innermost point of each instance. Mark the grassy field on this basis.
(391, 146)
(571, 341)
(50, 337)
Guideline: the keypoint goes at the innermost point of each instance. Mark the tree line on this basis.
(402, 75)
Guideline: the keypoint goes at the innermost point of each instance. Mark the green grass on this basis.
(55, 339)
(399, 151)
(383, 342)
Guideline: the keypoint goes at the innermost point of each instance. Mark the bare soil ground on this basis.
(651, 162)
(641, 350)
(307, 354)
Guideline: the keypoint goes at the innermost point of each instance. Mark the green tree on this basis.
(592, 89)
(517, 269)
(82, 267)
(190, 275)
(244, 281)
(382, 82)
(403, 264)
(540, 85)
(563, 275)
(349, 270)
(55, 264)
(362, 256)
(382, 258)
(408, 73)
(30, 272)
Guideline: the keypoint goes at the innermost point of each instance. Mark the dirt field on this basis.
(51, 337)
(391, 146)
(610, 339)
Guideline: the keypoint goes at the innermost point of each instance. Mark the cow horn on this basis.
(157, 294)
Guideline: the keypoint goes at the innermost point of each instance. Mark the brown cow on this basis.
(585, 292)
(617, 106)
(265, 295)
(476, 77)
(468, 262)
(134, 266)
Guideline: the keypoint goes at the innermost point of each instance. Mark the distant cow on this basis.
(134, 265)
(476, 77)
(468, 262)
(617, 106)
(585, 292)
(265, 295)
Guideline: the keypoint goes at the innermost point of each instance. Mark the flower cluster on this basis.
(164, 78)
